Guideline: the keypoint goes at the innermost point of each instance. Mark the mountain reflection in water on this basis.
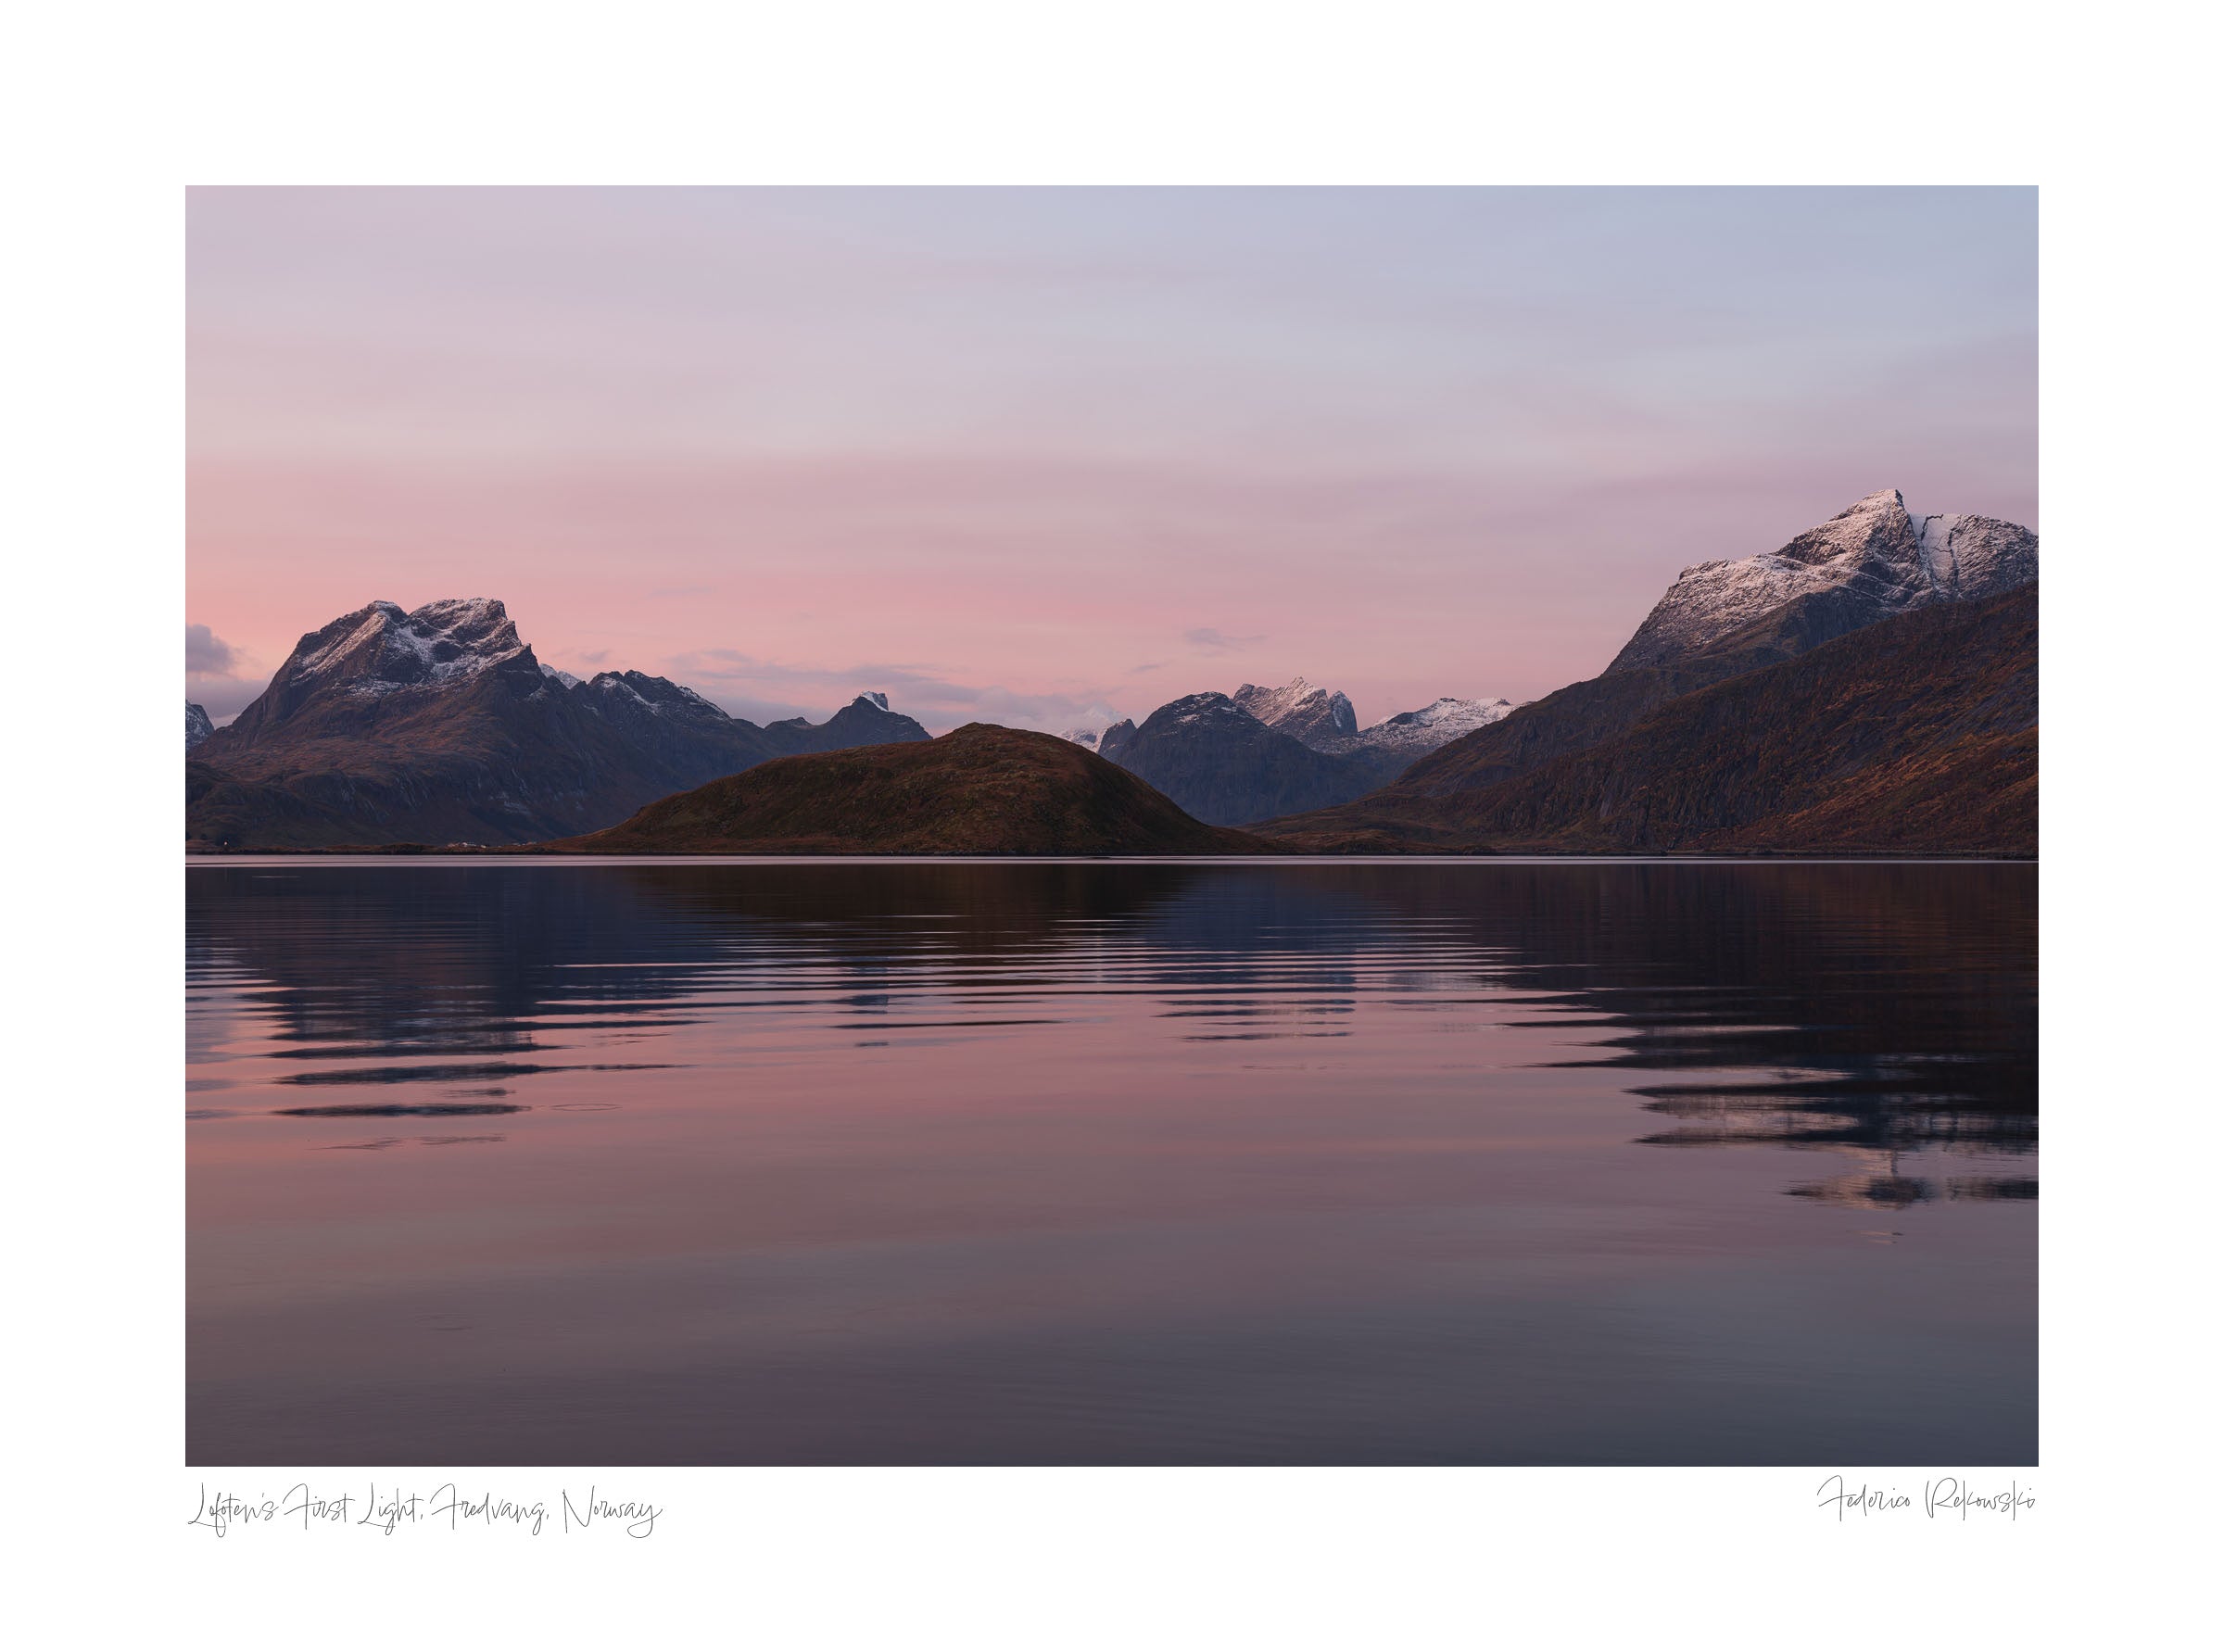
(1487, 1161)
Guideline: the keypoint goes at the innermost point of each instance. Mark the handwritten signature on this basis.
(1948, 1496)
(389, 1510)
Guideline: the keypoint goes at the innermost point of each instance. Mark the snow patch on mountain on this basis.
(197, 726)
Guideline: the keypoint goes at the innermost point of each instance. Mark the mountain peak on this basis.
(379, 647)
(1299, 709)
(1871, 560)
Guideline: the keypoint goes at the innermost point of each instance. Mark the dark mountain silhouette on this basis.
(1223, 766)
(440, 726)
(979, 789)
(197, 726)
(1914, 734)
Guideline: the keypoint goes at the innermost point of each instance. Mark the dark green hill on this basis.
(979, 789)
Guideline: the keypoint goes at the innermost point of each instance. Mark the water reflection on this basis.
(1157, 1064)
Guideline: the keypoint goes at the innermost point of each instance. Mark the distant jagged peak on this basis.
(1210, 706)
(1115, 736)
(1437, 724)
(636, 692)
(873, 698)
(197, 726)
(1080, 736)
(1300, 708)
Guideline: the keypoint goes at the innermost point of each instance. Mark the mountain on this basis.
(1083, 737)
(197, 726)
(1415, 734)
(1916, 735)
(1873, 560)
(440, 726)
(866, 720)
(979, 789)
(1225, 766)
(1231, 758)
(1318, 716)
(1323, 719)
(1867, 564)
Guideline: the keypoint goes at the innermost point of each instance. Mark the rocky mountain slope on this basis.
(197, 726)
(979, 789)
(1915, 734)
(439, 726)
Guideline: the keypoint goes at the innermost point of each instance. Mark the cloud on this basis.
(1204, 639)
(219, 678)
(207, 654)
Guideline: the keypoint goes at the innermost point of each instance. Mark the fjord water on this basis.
(526, 1162)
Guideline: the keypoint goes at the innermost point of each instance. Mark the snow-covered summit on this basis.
(379, 649)
(1079, 736)
(1312, 715)
(1437, 724)
(1323, 719)
(1871, 560)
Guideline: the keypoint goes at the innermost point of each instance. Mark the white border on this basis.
(112, 109)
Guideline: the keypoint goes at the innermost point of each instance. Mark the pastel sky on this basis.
(1046, 456)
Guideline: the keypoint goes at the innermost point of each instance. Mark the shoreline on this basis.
(468, 857)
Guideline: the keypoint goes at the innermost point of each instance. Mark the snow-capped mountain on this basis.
(440, 725)
(197, 726)
(1079, 736)
(1435, 725)
(336, 677)
(1871, 560)
(1311, 714)
(1323, 719)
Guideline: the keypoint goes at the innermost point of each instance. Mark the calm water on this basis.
(1485, 1162)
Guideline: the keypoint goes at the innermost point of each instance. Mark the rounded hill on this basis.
(979, 789)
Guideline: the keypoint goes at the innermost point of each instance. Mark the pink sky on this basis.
(1048, 457)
